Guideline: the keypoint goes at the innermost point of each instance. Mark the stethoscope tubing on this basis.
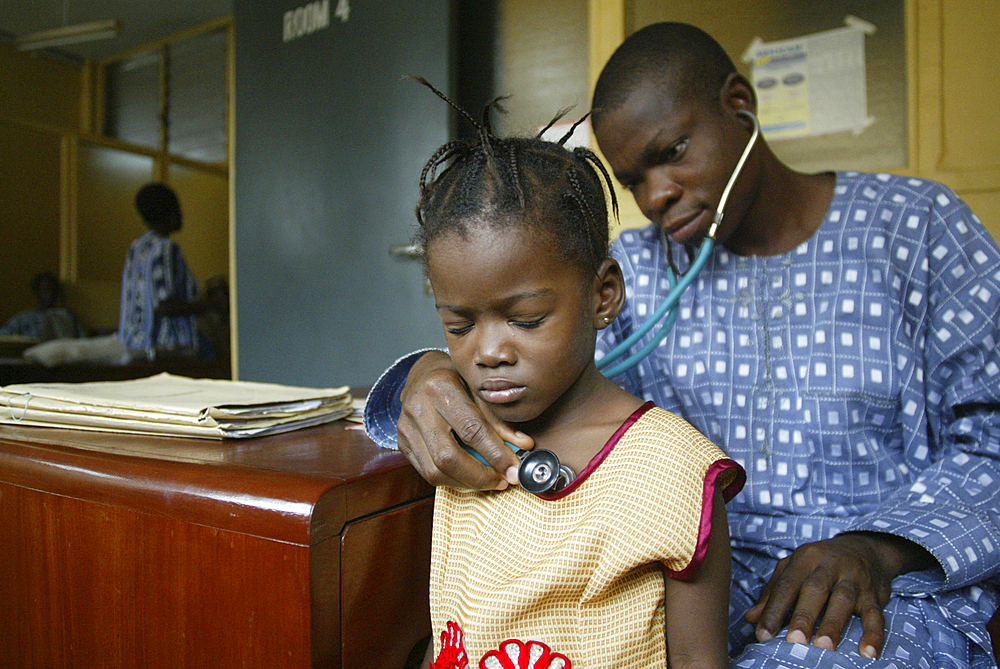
(666, 312)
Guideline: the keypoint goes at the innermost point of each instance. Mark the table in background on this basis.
(308, 549)
(22, 370)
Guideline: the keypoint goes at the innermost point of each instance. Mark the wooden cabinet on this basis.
(309, 549)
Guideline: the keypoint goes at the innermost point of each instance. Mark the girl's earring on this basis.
(606, 320)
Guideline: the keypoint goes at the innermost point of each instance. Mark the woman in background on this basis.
(159, 292)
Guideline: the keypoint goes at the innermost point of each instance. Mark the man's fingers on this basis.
(839, 609)
(482, 432)
(753, 615)
(813, 596)
(873, 636)
(427, 440)
(781, 600)
(435, 422)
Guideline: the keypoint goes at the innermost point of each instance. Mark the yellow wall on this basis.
(954, 127)
(39, 100)
(542, 62)
(66, 195)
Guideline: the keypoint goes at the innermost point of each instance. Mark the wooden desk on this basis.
(309, 549)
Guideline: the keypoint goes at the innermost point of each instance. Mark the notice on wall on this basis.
(812, 85)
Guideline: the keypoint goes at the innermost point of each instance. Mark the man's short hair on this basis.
(684, 60)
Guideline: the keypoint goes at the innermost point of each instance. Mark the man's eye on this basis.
(675, 151)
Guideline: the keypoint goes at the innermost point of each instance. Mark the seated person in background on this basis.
(596, 572)
(48, 320)
(159, 292)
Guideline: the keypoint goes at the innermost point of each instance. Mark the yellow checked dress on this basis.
(580, 569)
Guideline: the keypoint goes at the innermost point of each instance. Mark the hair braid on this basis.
(516, 181)
(579, 196)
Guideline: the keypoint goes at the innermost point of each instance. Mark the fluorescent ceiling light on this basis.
(80, 32)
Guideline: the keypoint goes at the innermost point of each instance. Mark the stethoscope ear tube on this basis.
(539, 472)
(666, 312)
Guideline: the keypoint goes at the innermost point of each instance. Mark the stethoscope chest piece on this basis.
(541, 472)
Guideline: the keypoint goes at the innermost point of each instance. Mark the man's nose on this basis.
(658, 192)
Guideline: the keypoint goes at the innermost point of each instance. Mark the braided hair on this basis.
(511, 181)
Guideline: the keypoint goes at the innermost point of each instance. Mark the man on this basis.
(840, 344)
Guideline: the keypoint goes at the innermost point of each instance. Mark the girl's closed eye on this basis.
(527, 323)
(458, 328)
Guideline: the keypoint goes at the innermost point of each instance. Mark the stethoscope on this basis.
(666, 313)
(540, 470)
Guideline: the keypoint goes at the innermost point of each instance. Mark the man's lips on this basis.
(684, 229)
(496, 391)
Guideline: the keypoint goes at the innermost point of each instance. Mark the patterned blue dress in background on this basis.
(857, 381)
(154, 271)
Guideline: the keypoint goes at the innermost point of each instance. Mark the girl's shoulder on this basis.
(667, 448)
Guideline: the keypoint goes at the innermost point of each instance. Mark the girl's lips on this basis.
(501, 393)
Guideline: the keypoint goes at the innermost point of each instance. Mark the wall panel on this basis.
(29, 212)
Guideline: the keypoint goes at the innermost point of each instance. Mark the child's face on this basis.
(519, 320)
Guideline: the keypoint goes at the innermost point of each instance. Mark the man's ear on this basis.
(609, 296)
(737, 94)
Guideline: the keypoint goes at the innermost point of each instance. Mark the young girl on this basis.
(627, 565)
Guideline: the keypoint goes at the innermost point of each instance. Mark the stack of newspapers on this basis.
(174, 405)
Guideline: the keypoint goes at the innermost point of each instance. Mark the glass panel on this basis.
(198, 101)
(204, 237)
(108, 223)
(133, 100)
(29, 212)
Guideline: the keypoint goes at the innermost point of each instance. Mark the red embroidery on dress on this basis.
(512, 654)
(452, 655)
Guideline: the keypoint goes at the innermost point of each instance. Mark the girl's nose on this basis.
(495, 347)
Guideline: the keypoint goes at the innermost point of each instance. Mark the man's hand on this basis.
(437, 407)
(850, 574)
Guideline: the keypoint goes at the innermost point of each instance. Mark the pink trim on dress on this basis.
(601, 455)
(705, 524)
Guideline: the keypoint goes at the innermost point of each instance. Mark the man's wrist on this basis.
(897, 555)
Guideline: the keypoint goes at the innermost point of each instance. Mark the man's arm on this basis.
(949, 514)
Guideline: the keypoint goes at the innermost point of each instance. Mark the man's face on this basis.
(675, 156)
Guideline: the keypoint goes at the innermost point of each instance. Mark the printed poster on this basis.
(812, 85)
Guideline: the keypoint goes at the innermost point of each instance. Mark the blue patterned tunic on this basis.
(154, 271)
(857, 381)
